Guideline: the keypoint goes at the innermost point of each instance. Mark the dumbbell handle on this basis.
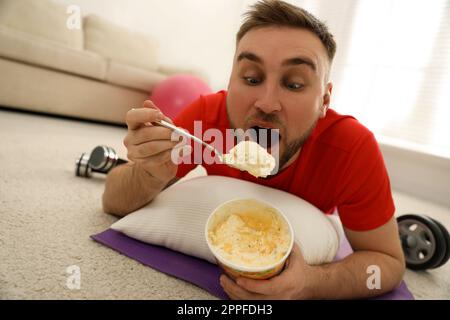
(101, 160)
(121, 161)
(117, 163)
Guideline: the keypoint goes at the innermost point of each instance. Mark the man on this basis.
(280, 80)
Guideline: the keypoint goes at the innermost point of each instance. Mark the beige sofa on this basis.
(97, 72)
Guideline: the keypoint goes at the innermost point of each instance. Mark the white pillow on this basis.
(177, 216)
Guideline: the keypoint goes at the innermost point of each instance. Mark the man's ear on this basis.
(326, 100)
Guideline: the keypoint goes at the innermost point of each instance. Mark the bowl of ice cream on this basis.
(249, 238)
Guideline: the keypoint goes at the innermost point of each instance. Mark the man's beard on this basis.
(291, 148)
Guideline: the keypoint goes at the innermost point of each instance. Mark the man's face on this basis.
(278, 81)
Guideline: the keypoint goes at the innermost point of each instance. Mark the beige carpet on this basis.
(47, 215)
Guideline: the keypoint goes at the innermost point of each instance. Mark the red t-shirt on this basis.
(339, 166)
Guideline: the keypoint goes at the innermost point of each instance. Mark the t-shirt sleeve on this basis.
(365, 201)
(185, 119)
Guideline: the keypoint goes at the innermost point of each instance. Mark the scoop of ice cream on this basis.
(251, 239)
(251, 157)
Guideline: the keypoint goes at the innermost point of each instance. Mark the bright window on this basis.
(392, 68)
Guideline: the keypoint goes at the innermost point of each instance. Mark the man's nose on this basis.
(269, 100)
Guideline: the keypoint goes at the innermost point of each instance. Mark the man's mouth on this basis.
(266, 137)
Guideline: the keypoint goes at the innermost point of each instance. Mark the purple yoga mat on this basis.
(197, 271)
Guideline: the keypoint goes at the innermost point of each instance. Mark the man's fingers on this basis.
(273, 285)
(149, 104)
(151, 148)
(169, 155)
(147, 134)
(265, 287)
(167, 119)
(136, 118)
(158, 159)
(236, 292)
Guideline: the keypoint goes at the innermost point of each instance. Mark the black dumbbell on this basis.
(102, 159)
(425, 242)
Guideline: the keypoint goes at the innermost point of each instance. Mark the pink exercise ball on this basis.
(176, 92)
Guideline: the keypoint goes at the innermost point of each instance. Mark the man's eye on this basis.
(294, 85)
(252, 81)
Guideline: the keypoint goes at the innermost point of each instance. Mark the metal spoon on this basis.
(219, 154)
(180, 131)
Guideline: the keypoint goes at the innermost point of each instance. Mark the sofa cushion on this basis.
(120, 44)
(43, 18)
(27, 48)
(26, 87)
(132, 77)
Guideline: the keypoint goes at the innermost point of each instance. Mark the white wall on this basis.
(420, 174)
(191, 33)
(198, 33)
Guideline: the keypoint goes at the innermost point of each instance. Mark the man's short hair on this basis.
(267, 13)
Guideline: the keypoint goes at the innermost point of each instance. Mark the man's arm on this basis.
(128, 188)
(344, 279)
(152, 166)
(354, 277)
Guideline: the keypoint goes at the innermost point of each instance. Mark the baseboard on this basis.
(418, 173)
